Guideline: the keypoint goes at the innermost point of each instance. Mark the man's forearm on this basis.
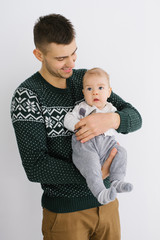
(130, 118)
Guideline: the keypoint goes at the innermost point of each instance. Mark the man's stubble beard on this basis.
(56, 74)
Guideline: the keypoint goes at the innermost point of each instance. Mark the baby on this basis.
(90, 156)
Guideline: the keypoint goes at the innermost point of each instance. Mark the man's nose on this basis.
(71, 62)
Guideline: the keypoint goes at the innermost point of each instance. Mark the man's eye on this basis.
(89, 89)
(100, 88)
(60, 59)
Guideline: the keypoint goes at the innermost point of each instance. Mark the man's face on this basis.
(96, 90)
(59, 59)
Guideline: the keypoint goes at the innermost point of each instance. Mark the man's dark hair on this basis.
(53, 28)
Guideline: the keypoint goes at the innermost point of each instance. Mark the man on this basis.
(39, 105)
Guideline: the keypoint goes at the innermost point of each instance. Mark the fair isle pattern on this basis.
(54, 117)
(25, 106)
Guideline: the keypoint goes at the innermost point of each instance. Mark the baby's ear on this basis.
(109, 91)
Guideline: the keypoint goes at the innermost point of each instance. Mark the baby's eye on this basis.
(100, 88)
(89, 88)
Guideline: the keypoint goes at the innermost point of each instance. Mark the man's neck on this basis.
(54, 81)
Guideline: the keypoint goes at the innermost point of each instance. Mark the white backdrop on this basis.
(121, 36)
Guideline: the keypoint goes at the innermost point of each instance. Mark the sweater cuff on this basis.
(124, 126)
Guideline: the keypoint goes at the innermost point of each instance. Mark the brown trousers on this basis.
(100, 223)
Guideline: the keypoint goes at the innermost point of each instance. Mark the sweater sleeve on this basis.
(130, 118)
(39, 165)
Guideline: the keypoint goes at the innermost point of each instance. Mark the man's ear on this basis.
(38, 54)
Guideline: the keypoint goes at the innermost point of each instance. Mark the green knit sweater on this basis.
(37, 111)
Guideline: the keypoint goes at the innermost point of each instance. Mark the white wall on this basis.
(121, 36)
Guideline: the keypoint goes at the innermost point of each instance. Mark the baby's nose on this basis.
(95, 92)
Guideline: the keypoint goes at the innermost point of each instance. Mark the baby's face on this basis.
(96, 90)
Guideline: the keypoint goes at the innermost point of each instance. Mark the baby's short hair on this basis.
(98, 72)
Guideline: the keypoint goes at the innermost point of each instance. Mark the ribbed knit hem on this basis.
(124, 122)
(64, 205)
(71, 204)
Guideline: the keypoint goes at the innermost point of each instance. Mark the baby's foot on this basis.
(107, 195)
(121, 186)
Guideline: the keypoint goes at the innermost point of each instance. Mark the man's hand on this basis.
(96, 124)
(107, 164)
